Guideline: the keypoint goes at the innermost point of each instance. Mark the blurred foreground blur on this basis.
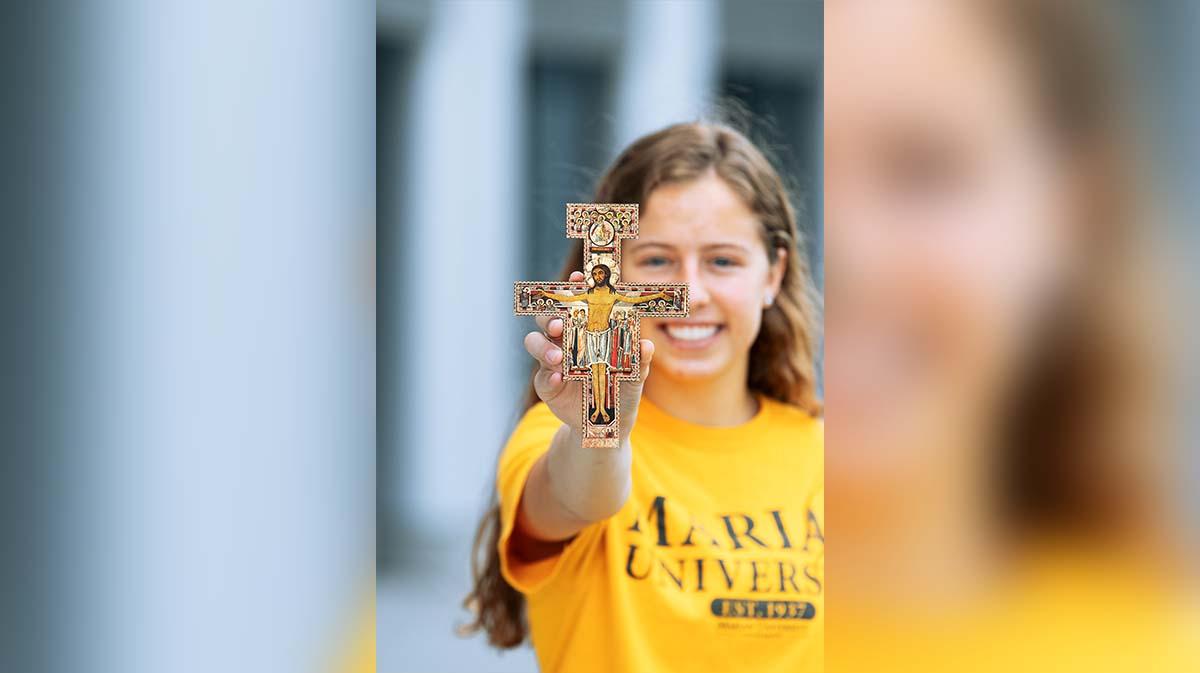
(1010, 485)
(188, 447)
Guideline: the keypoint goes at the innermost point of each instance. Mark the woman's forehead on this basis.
(742, 245)
(702, 211)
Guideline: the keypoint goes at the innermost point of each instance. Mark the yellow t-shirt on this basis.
(1056, 608)
(715, 563)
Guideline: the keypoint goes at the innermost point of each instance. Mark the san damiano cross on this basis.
(601, 327)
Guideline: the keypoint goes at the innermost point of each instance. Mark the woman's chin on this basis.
(684, 369)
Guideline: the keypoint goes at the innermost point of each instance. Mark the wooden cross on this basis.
(601, 327)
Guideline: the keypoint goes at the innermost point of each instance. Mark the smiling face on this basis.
(945, 236)
(701, 233)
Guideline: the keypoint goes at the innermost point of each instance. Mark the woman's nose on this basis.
(697, 290)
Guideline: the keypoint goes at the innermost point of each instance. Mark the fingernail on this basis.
(554, 354)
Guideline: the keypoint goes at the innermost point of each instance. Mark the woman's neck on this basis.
(715, 402)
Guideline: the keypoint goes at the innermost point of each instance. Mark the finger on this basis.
(551, 326)
(576, 276)
(547, 383)
(546, 352)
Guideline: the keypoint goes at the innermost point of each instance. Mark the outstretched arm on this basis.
(557, 297)
(642, 300)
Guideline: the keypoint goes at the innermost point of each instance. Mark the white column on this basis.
(462, 215)
(668, 65)
(218, 515)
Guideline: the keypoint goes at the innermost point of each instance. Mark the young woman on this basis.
(698, 543)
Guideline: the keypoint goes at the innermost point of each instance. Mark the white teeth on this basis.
(691, 332)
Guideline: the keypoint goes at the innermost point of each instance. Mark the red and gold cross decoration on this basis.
(601, 327)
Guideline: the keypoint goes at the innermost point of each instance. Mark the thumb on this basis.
(631, 392)
(647, 356)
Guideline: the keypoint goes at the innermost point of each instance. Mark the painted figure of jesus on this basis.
(600, 298)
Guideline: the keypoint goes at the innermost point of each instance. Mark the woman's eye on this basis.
(926, 170)
(724, 262)
(655, 261)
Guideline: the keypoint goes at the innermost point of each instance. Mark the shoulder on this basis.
(798, 433)
(793, 417)
(536, 425)
(527, 442)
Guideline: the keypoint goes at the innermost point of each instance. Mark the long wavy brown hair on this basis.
(1087, 450)
(782, 358)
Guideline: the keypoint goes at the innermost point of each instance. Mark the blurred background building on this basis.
(491, 116)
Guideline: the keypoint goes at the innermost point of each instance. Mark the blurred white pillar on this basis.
(219, 510)
(462, 216)
(668, 64)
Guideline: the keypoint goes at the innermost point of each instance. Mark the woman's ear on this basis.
(776, 271)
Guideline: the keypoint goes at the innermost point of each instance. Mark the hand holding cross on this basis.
(601, 316)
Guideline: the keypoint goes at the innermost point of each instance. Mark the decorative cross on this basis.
(601, 327)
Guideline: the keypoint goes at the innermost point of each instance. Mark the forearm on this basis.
(562, 297)
(643, 300)
(571, 487)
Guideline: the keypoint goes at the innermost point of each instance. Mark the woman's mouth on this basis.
(691, 336)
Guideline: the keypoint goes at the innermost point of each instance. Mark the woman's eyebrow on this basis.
(649, 245)
(740, 247)
(642, 245)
